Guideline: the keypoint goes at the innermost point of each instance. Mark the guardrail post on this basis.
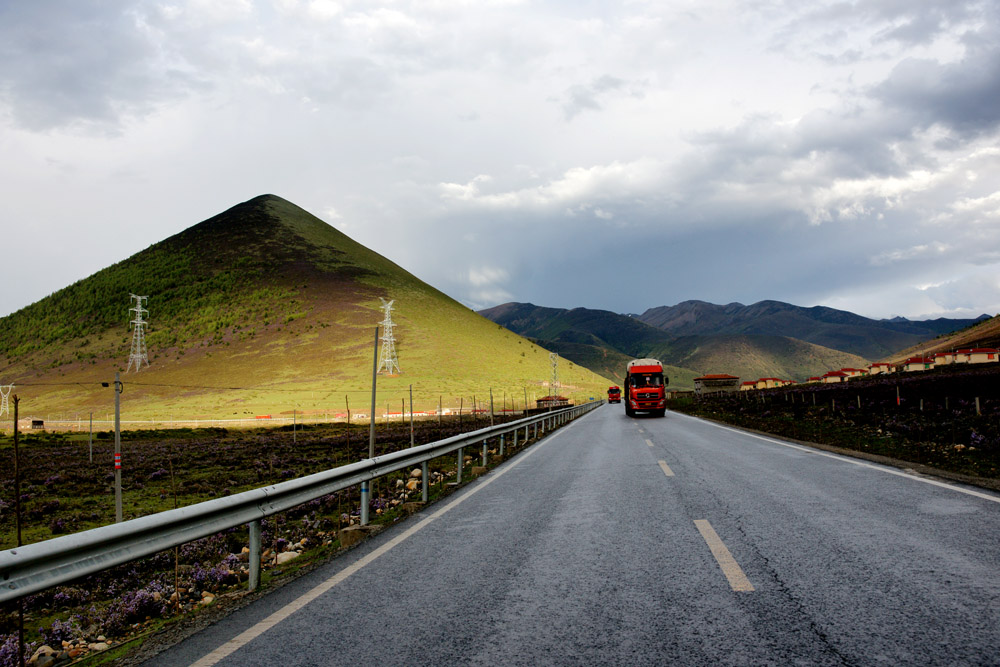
(424, 473)
(254, 580)
(364, 503)
(460, 464)
(501, 445)
(484, 453)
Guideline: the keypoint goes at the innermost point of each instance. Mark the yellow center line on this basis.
(737, 580)
(649, 442)
(666, 469)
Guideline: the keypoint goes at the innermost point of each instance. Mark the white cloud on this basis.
(854, 144)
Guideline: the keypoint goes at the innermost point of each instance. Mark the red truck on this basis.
(645, 387)
(614, 395)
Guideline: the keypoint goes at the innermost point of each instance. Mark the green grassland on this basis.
(755, 356)
(263, 309)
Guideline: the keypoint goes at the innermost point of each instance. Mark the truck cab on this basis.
(645, 387)
(614, 395)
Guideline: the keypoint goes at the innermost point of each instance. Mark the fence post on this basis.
(978, 413)
(254, 580)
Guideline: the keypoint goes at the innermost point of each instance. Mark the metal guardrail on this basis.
(35, 567)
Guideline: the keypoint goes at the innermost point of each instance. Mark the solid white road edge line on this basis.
(263, 626)
(846, 459)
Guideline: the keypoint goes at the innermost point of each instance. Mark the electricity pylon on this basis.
(387, 354)
(4, 393)
(138, 354)
(554, 381)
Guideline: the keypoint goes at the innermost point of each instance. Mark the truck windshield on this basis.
(648, 380)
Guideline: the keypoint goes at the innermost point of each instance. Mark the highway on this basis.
(645, 542)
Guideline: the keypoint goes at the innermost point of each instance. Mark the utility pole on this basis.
(119, 388)
(17, 520)
(371, 434)
(138, 354)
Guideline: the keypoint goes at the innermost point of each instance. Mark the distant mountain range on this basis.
(766, 339)
(836, 329)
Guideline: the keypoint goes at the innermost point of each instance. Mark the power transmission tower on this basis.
(4, 393)
(554, 382)
(138, 354)
(387, 354)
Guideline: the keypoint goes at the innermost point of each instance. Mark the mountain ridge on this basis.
(598, 337)
(820, 325)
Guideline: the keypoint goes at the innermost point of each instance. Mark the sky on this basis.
(606, 155)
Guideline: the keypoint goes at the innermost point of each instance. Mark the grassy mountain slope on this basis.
(982, 334)
(752, 357)
(836, 329)
(604, 341)
(277, 307)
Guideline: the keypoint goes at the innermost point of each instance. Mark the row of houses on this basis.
(980, 355)
(764, 383)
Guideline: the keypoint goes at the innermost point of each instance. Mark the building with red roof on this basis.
(832, 377)
(917, 364)
(716, 382)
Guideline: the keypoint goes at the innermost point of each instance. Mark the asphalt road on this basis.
(650, 541)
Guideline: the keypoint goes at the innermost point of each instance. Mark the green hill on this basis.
(263, 308)
(752, 357)
(604, 341)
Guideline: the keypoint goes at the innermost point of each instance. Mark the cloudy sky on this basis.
(608, 155)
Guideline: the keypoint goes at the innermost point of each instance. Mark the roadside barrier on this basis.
(35, 567)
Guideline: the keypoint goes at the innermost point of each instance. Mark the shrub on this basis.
(133, 607)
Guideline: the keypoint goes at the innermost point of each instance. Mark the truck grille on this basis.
(647, 397)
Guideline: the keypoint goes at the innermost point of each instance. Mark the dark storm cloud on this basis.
(70, 61)
(964, 96)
